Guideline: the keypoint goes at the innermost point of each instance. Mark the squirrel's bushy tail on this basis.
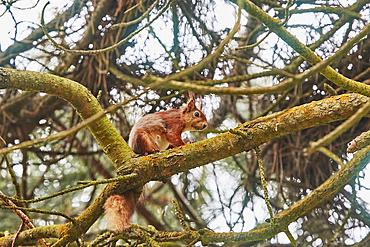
(119, 210)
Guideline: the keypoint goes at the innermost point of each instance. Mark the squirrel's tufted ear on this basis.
(200, 104)
(192, 100)
(191, 96)
(190, 105)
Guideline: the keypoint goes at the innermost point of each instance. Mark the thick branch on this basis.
(250, 135)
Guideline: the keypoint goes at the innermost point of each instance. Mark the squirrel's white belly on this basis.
(161, 142)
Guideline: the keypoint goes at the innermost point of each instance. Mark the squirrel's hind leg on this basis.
(144, 143)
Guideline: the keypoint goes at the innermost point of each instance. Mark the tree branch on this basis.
(162, 166)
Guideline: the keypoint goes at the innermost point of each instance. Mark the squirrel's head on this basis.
(193, 117)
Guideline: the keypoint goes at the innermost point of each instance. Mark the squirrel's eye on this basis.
(196, 114)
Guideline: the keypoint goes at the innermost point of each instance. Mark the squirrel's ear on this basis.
(191, 103)
(200, 104)
(191, 95)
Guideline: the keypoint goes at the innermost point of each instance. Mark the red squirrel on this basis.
(153, 133)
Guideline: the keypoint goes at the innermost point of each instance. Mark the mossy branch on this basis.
(267, 200)
(264, 186)
(359, 142)
(363, 111)
(246, 137)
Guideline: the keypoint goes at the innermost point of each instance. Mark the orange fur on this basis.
(153, 133)
(119, 210)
